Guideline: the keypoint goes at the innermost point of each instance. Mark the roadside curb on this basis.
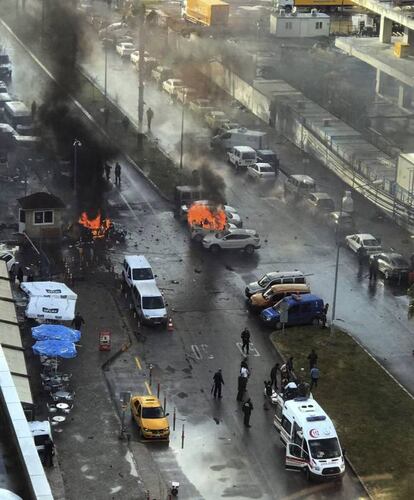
(364, 486)
(126, 155)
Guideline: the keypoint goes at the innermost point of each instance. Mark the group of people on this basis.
(117, 173)
(242, 380)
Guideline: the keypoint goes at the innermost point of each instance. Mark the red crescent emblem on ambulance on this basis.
(314, 433)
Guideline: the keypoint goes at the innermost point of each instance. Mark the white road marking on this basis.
(204, 348)
(196, 352)
(252, 350)
(129, 457)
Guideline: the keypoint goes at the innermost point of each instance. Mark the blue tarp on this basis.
(55, 332)
(55, 348)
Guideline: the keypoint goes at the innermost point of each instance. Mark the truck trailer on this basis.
(206, 12)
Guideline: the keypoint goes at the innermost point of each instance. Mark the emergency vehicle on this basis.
(312, 445)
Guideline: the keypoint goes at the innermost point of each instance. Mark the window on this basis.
(286, 425)
(142, 274)
(43, 217)
(318, 25)
(288, 25)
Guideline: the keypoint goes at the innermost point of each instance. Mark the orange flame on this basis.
(97, 226)
(207, 217)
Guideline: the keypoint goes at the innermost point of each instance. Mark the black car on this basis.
(391, 265)
(268, 156)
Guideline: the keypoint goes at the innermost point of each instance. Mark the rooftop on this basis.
(403, 16)
(40, 200)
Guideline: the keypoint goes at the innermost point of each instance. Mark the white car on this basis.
(261, 171)
(369, 244)
(172, 85)
(134, 57)
(232, 239)
(186, 94)
(201, 106)
(197, 233)
(9, 259)
(125, 49)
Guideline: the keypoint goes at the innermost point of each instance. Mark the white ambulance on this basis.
(312, 445)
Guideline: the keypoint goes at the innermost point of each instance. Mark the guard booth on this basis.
(105, 340)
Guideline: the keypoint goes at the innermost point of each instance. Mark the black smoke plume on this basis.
(213, 184)
(61, 122)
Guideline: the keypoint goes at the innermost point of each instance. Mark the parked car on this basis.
(228, 126)
(161, 73)
(197, 232)
(5, 66)
(215, 119)
(391, 265)
(172, 85)
(274, 278)
(274, 294)
(343, 222)
(261, 172)
(186, 94)
(302, 310)
(3, 88)
(149, 415)
(241, 156)
(299, 186)
(233, 239)
(136, 269)
(364, 241)
(125, 49)
(104, 32)
(9, 259)
(319, 203)
(268, 156)
(149, 304)
(201, 106)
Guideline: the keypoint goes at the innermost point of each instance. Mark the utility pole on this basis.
(182, 129)
(106, 71)
(338, 235)
(141, 66)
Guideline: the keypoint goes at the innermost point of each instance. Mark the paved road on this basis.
(222, 459)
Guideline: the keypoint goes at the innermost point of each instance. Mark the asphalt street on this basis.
(205, 295)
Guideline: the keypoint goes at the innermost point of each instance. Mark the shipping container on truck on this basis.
(206, 12)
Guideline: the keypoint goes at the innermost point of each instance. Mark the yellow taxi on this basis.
(150, 418)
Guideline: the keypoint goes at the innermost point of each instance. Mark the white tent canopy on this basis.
(48, 289)
(51, 308)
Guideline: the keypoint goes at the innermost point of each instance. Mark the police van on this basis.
(312, 445)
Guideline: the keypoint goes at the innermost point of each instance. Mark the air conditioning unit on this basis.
(314, 12)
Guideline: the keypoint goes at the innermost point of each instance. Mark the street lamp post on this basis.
(76, 144)
(338, 247)
(182, 130)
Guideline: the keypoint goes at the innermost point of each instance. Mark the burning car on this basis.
(100, 228)
(204, 218)
(231, 213)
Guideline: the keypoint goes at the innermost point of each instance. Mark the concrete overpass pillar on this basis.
(385, 30)
(409, 38)
(404, 96)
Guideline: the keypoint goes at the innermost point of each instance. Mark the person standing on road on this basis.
(245, 336)
(117, 174)
(150, 116)
(325, 315)
(242, 381)
(273, 375)
(289, 367)
(314, 374)
(373, 268)
(34, 110)
(218, 382)
(247, 410)
(107, 171)
(361, 255)
(20, 275)
(313, 359)
(48, 452)
(78, 321)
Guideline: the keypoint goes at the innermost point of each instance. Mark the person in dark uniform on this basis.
(150, 116)
(20, 274)
(313, 358)
(48, 457)
(117, 173)
(273, 375)
(78, 321)
(373, 268)
(218, 382)
(245, 336)
(247, 410)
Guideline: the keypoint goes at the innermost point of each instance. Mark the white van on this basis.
(242, 156)
(312, 445)
(239, 137)
(136, 269)
(149, 304)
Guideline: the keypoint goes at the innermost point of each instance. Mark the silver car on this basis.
(392, 265)
(233, 239)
